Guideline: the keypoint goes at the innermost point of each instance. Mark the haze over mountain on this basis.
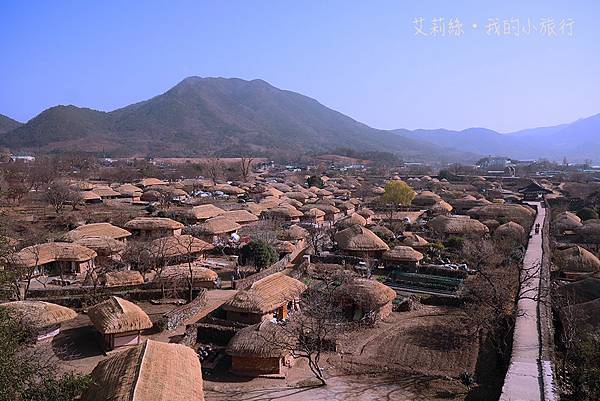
(213, 116)
(576, 141)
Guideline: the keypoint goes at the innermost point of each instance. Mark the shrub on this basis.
(587, 214)
(260, 253)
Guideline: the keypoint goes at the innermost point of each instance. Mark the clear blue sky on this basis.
(359, 57)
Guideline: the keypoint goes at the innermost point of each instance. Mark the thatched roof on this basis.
(589, 228)
(297, 195)
(88, 196)
(327, 208)
(285, 247)
(36, 315)
(351, 220)
(270, 191)
(179, 245)
(458, 225)
(507, 212)
(116, 315)
(383, 230)
(41, 254)
(491, 224)
(367, 294)
(96, 230)
(105, 191)
(218, 225)
(403, 253)
(314, 213)
(566, 221)
(426, 199)
(121, 278)
(294, 232)
(208, 211)
(414, 240)
(366, 212)
(580, 291)
(153, 371)
(441, 206)
(129, 190)
(577, 259)
(104, 246)
(358, 238)
(254, 208)
(153, 223)
(240, 216)
(262, 340)
(181, 272)
(285, 211)
(266, 294)
(147, 182)
(228, 189)
(510, 230)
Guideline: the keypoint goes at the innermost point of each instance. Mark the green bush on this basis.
(259, 253)
(587, 214)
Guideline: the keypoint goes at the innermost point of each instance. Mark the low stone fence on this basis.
(171, 320)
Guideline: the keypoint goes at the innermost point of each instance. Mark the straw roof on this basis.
(288, 201)
(441, 206)
(153, 223)
(181, 272)
(510, 230)
(508, 212)
(358, 238)
(104, 246)
(147, 182)
(152, 371)
(566, 221)
(87, 196)
(590, 228)
(367, 294)
(366, 212)
(426, 198)
(179, 245)
(96, 230)
(229, 189)
(129, 190)
(116, 315)
(82, 185)
(295, 233)
(325, 207)
(260, 340)
(41, 254)
(121, 278)
(266, 294)
(285, 211)
(577, 259)
(458, 225)
(403, 253)
(414, 240)
(35, 315)
(270, 191)
(353, 219)
(314, 213)
(105, 191)
(491, 224)
(240, 216)
(297, 195)
(383, 230)
(208, 211)
(285, 247)
(254, 208)
(219, 225)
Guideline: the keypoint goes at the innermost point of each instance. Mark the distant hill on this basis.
(576, 141)
(214, 116)
(8, 124)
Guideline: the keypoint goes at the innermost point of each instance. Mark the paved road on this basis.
(527, 375)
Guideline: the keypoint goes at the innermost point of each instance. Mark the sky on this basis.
(386, 63)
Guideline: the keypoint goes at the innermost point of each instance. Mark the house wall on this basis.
(255, 366)
(124, 339)
(247, 318)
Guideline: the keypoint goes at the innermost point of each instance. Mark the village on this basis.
(240, 279)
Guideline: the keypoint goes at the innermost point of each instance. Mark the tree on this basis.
(213, 168)
(587, 214)
(397, 193)
(260, 253)
(314, 181)
(59, 194)
(245, 167)
(27, 374)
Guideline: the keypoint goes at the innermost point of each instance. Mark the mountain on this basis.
(213, 116)
(576, 141)
(8, 124)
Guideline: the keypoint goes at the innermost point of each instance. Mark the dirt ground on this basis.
(415, 355)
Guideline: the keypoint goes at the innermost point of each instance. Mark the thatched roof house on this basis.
(97, 230)
(129, 191)
(413, 240)
(119, 321)
(566, 221)
(123, 278)
(577, 259)
(402, 254)
(284, 213)
(240, 216)
(148, 182)
(294, 233)
(153, 371)
(179, 247)
(104, 191)
(314, 216)
(351, 220)
(104, 246)
(360, 240)
(41, 319)
(202, 277)
(154, 227)
(204, 212)
(218, 226)
(52, 257)
(257, 350)
(362, 297)
(90, 197)
(254, 208)
(458, 225)
(269, 297)
(523, 215)
(510, 231)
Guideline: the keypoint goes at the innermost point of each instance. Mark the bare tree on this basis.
(213, 168)
(59, 194)
(245, 166)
